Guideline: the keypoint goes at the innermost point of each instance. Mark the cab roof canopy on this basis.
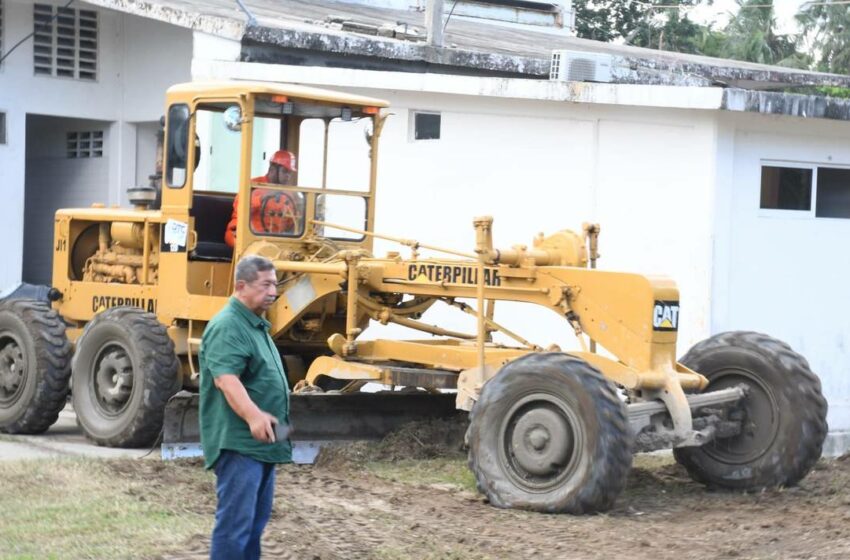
(201, 90)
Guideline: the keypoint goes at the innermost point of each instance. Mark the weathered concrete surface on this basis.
(791, 104)
(296, 28)
(63, 439)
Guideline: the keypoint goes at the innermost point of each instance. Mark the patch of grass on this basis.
(86, 508)
(452, 472)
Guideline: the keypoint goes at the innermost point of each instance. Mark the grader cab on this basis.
(549, 430)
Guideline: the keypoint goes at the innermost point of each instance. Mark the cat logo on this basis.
(665, 316)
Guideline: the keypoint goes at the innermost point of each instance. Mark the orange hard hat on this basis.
(286, 159)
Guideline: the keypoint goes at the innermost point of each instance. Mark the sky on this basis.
(785, 10)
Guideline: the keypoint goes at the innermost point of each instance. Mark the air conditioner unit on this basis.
(578, 66)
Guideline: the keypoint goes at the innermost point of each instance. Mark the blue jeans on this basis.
(245, 492)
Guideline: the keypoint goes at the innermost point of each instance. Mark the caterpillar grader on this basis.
(549, 430)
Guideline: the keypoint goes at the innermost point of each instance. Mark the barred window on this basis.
(65, 42)
(85, 144)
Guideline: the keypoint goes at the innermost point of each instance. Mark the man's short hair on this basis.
(249, 265)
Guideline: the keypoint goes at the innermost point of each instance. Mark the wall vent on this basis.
(577, 66)
(65, 42)
(85, 144)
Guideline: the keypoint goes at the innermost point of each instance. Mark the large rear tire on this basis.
(784, 413)
(124, 372)
(35, 365)
(550, 434)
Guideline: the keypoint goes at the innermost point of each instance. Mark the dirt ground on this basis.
(342, 508)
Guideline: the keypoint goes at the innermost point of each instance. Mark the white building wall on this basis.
(785, 274)
(47, 172)
(137, 60)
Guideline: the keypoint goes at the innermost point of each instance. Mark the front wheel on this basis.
(783, 414)
(124, 372)
(35, 364)
(550, 434)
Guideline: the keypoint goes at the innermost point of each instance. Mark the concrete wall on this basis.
(48, 188)
(137, 60)
(784, 273)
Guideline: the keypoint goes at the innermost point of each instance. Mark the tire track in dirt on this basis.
(329, 514)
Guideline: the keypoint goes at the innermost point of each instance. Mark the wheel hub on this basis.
(759, 426)
(12, 368)
(541, 441)
(113, 378)
(541, 435)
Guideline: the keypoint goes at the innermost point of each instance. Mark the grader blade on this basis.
(316, 419)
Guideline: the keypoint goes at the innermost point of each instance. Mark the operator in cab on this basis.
(272, 211)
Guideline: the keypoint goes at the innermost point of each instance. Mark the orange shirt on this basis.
(271, 212)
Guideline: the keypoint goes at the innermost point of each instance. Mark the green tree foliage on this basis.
(607, 20)
(674, 31)
(630, 20)
(828, 31)
(751, 35)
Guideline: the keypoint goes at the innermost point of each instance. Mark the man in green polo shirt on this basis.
(244, 398)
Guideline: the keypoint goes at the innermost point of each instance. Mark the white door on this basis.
(789, 266)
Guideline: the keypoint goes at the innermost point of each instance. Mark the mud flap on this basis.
(316, 418)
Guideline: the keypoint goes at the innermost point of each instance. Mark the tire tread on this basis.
(53, 364)
(802, 387)
(613, 457)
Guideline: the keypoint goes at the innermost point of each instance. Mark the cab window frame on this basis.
(171, 141)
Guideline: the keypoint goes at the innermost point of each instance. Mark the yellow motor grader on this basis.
(549, 430)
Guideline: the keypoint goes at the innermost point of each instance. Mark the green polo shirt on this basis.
(236, 341)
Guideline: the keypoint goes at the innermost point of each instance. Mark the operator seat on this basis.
(211, 212)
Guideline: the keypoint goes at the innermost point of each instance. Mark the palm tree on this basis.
(751, 35)
(827, 28)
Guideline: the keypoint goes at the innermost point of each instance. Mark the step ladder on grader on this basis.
(549, 430)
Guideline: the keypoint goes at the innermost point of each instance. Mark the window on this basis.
(833, 200)
(85, 144)
(426, 126)
(786, 188)
(795, 189)
(178, 139)
(345, 210)
(218, 147)
(311, 153)
(2, 128)
(64, 42)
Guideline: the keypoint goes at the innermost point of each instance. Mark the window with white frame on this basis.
(425, 125)
(87, 144)
(814, 190)
(64, 42)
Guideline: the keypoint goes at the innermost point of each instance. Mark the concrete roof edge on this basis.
(393, 49)
(789, 104)
(636, 65)
(215, 25)
(662, 96)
